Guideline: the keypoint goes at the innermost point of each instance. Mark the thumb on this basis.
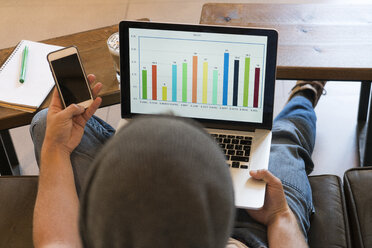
(72, 111)
(265, 175)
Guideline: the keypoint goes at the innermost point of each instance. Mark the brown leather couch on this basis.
(17, 199)
(358, 194)
(329, 225)
(341, 219)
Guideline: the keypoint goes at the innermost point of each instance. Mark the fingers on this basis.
(72, 110)
(96, 89)
(91, 78)
(92, 108)
(88, 113)
(265, 175)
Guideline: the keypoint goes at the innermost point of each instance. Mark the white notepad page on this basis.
(38, 82)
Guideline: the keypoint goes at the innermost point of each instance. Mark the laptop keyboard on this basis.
(237, 149)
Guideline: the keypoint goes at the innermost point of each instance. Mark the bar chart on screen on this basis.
(207, 87)
(197, 70)
(211, 76)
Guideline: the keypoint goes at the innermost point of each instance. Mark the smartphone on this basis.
(70, 78)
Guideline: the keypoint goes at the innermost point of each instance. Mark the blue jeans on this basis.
(290, 160)
(293, 142)
(96, 133)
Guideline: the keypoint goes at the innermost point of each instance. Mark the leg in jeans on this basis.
(96, 133)
(290, 160)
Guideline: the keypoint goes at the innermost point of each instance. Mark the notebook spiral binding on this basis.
(11, 55)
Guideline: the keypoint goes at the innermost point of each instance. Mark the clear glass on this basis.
(114, 49)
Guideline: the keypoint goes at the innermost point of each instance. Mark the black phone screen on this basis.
(71, 79)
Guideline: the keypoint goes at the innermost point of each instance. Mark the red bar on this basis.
(194, 77)
(154, 78)
(256, 87)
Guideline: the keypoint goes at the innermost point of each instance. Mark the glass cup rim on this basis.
(108, 44)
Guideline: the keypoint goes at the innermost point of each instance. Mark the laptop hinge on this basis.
(235, 128)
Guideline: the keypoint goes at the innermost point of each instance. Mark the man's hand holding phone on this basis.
(65, 127)
(57, 204)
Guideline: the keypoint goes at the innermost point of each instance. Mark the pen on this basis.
(24, 65)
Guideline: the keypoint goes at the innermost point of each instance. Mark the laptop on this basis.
(221, 76)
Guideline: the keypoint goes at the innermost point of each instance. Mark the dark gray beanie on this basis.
(159, 182)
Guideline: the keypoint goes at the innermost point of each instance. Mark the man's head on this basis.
(160, 182)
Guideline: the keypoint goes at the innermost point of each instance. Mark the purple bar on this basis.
(256, 87)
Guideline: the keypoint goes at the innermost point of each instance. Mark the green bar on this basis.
(246, 82)
(144, 84)
(215, 79)
(184, 82)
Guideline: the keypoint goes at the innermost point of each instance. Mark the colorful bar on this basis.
(215, 80)
(246, 82)
(164, 93)
(154, 83)
(225, 78)
(236, 82)
(184, 82)
(194, 77)
(144, 84)
(256, 87)
(174, 83)
(205, 81)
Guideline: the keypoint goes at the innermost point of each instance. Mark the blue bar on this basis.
(225, 78)
(174, 83)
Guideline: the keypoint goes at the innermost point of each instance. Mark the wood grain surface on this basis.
(96, 59)
(316, 41)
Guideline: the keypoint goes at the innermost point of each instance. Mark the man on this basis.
(162, 182)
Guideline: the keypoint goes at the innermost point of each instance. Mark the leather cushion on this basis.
(358, 187)
(329, 224)
(17, 200)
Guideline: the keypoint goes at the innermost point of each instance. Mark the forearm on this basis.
(284, 231)
(57, 204)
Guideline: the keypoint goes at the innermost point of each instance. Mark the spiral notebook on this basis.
(27, 96)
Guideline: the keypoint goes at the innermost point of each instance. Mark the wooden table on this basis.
(96, 59)
(316, 42)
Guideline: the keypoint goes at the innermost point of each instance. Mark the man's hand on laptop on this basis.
(65, 127)
(275, 202)
(282, 227)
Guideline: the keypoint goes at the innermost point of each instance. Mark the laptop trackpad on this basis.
(248, 191)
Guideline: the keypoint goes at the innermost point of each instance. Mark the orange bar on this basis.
(154, 83)
(194, 77)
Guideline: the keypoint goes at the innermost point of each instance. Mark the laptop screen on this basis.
(198, 74)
